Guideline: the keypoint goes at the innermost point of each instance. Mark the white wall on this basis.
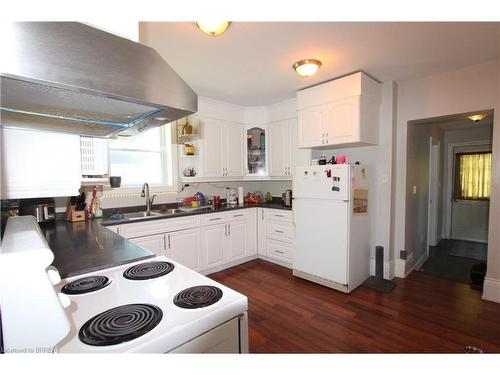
(465, 90)
(491, 288)
(378, 160)
(417, 175)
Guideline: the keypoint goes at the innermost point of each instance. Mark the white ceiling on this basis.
(251, 64)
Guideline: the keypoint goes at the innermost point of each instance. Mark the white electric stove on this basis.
(151, 306)
(177, 324)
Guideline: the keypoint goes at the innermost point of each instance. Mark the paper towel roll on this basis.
(241, 201)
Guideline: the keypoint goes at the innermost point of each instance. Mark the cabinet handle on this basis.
(169, 242)
(229, 229)
(262, 214)
(164, 242)
(277, 215)
(225, 230)
(279, 231)
(239, 215)
(215, 218)
(280, 252)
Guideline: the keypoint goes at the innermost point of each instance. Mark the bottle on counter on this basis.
(92, 207)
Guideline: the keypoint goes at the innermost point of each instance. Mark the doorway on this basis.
(448, 177)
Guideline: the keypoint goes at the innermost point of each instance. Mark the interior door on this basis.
(237, 240)
(213, 243)
(279, 143)
(233, 140)
(311, 123)
(184, 247)
(155, 244)
(212, 152)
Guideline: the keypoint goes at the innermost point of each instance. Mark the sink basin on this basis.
(191, 209)
(141, 215)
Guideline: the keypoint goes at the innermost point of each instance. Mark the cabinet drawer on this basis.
(147, 228)
(280, 231)
(239, 215)
(279, 215)
(209, 219)
(279, 250)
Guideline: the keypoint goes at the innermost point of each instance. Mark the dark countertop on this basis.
(89, 246)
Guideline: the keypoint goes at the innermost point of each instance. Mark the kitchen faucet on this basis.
(149, 202)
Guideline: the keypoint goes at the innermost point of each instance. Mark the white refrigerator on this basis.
(332, 224)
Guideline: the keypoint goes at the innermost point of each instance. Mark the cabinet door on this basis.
(261, 231)
(279, 147)
(311, 127)
(155, 244)
(213, 147)
(213, 244)
(342, 121)
(256, 142)
(237, 240)
(233, 150)
(184, 247)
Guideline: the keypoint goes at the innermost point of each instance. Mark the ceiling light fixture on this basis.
(307, 67)
(477, 118)
(213, 28)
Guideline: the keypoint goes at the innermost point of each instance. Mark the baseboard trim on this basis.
(420, 262)
(229, 265)
(468, 239)
(403, 267)
(275, 261)
(491, 290)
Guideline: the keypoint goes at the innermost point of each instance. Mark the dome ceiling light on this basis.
(306, 67)
(213, 28)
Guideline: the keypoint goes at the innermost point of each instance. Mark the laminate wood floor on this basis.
(423, 314)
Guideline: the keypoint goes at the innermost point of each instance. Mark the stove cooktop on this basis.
(182, 304)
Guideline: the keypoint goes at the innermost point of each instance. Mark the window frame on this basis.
(168, 155)
(456, 176)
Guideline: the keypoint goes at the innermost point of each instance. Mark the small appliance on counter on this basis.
(43, 209)
(231, 198)
(287, 198)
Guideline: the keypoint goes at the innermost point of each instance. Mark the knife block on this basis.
(73, 215)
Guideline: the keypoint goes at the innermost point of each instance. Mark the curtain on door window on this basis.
(473, 175)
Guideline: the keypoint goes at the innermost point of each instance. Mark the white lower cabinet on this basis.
(213, 244)
(237, 240)
(155, 243)
(184, 247)
(218, 240)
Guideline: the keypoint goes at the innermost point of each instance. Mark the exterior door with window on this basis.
(471, 194)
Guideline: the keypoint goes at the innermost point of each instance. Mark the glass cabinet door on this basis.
(256, 151)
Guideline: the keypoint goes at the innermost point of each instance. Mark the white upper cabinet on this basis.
(233, 148)
(213, 153)
(280, 157)
(342, 112)
(222, 151)
(38, 164)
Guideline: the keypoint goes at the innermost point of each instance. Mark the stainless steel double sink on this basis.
(160, 213)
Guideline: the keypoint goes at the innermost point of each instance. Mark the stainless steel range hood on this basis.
(70, 77)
